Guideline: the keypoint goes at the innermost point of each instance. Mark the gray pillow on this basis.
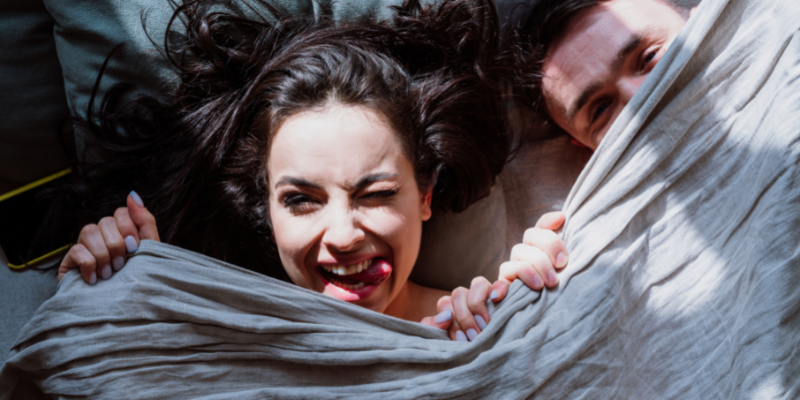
(87, 31)
(32, 103)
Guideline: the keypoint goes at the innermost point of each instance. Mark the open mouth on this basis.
(356, 276)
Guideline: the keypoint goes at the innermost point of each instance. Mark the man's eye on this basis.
(598, 112)
(646, 67)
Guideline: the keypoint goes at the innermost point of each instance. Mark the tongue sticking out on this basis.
(375, 274)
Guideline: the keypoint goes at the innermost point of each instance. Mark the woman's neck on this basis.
(414, 302)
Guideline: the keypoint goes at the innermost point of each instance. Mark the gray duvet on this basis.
(684, 276)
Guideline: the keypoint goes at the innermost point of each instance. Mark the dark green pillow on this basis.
(86, 32)
(32, 103)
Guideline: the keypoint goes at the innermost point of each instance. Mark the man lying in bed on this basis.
(591, 56)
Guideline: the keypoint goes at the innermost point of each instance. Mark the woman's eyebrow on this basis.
(301, 182)
(372, 178)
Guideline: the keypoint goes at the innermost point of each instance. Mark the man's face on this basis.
(593, 71)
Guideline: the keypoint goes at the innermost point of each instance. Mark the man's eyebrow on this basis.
(290, 180)
(622, 55)
(372, 178)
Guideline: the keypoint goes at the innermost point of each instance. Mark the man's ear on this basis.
(427, 197)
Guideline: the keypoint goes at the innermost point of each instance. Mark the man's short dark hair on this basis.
(547, 22)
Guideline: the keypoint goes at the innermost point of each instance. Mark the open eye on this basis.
(598, 112)
(647, 62)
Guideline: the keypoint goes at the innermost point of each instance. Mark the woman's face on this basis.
(345, 207)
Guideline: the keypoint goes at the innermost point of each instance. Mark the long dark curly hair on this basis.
(197, 158)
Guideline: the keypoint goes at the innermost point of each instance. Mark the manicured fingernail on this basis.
(537, 282)
(443, 316)
(130, 244)
(472, 334)
(551, 276)
(137, 199)
(461, 337)
(92, 278)
(105, 272)
(493, 296)
(561, 260)
(481, 322)
(118, 263)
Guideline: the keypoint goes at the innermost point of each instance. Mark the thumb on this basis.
(499, 290)
(145, 222)
(441, 320)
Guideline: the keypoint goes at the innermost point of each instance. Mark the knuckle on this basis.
(536, 235)
(552, 239)
(550, 216)
(89, 230)
(528, 234)
(530, 231)
(444, 303)
(518, 250)
(506, 268)
(542, 259)
(115, 246)
(86, 262)
(476, 304)
(105, 221)
(479, 280)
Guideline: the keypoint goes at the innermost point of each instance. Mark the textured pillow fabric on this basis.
(457, 247)
(87, 30)
(32, 102)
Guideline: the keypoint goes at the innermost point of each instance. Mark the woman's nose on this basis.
(343, 233)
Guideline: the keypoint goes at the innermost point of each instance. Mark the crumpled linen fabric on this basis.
(684, 240)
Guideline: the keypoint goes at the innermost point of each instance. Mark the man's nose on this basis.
(343, 232)
(628, 87)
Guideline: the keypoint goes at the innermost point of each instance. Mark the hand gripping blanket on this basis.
(684, 275)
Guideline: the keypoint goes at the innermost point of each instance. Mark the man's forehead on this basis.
(586, 53)
(577, 58)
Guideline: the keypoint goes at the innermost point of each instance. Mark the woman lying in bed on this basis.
(325, 145)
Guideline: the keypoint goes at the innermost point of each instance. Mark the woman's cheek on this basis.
(289, 238)
(401, 229)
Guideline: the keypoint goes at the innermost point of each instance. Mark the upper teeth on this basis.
(348, 269)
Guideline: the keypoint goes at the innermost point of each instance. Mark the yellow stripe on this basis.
(28, 187)
(38, 259)
(35, 184)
